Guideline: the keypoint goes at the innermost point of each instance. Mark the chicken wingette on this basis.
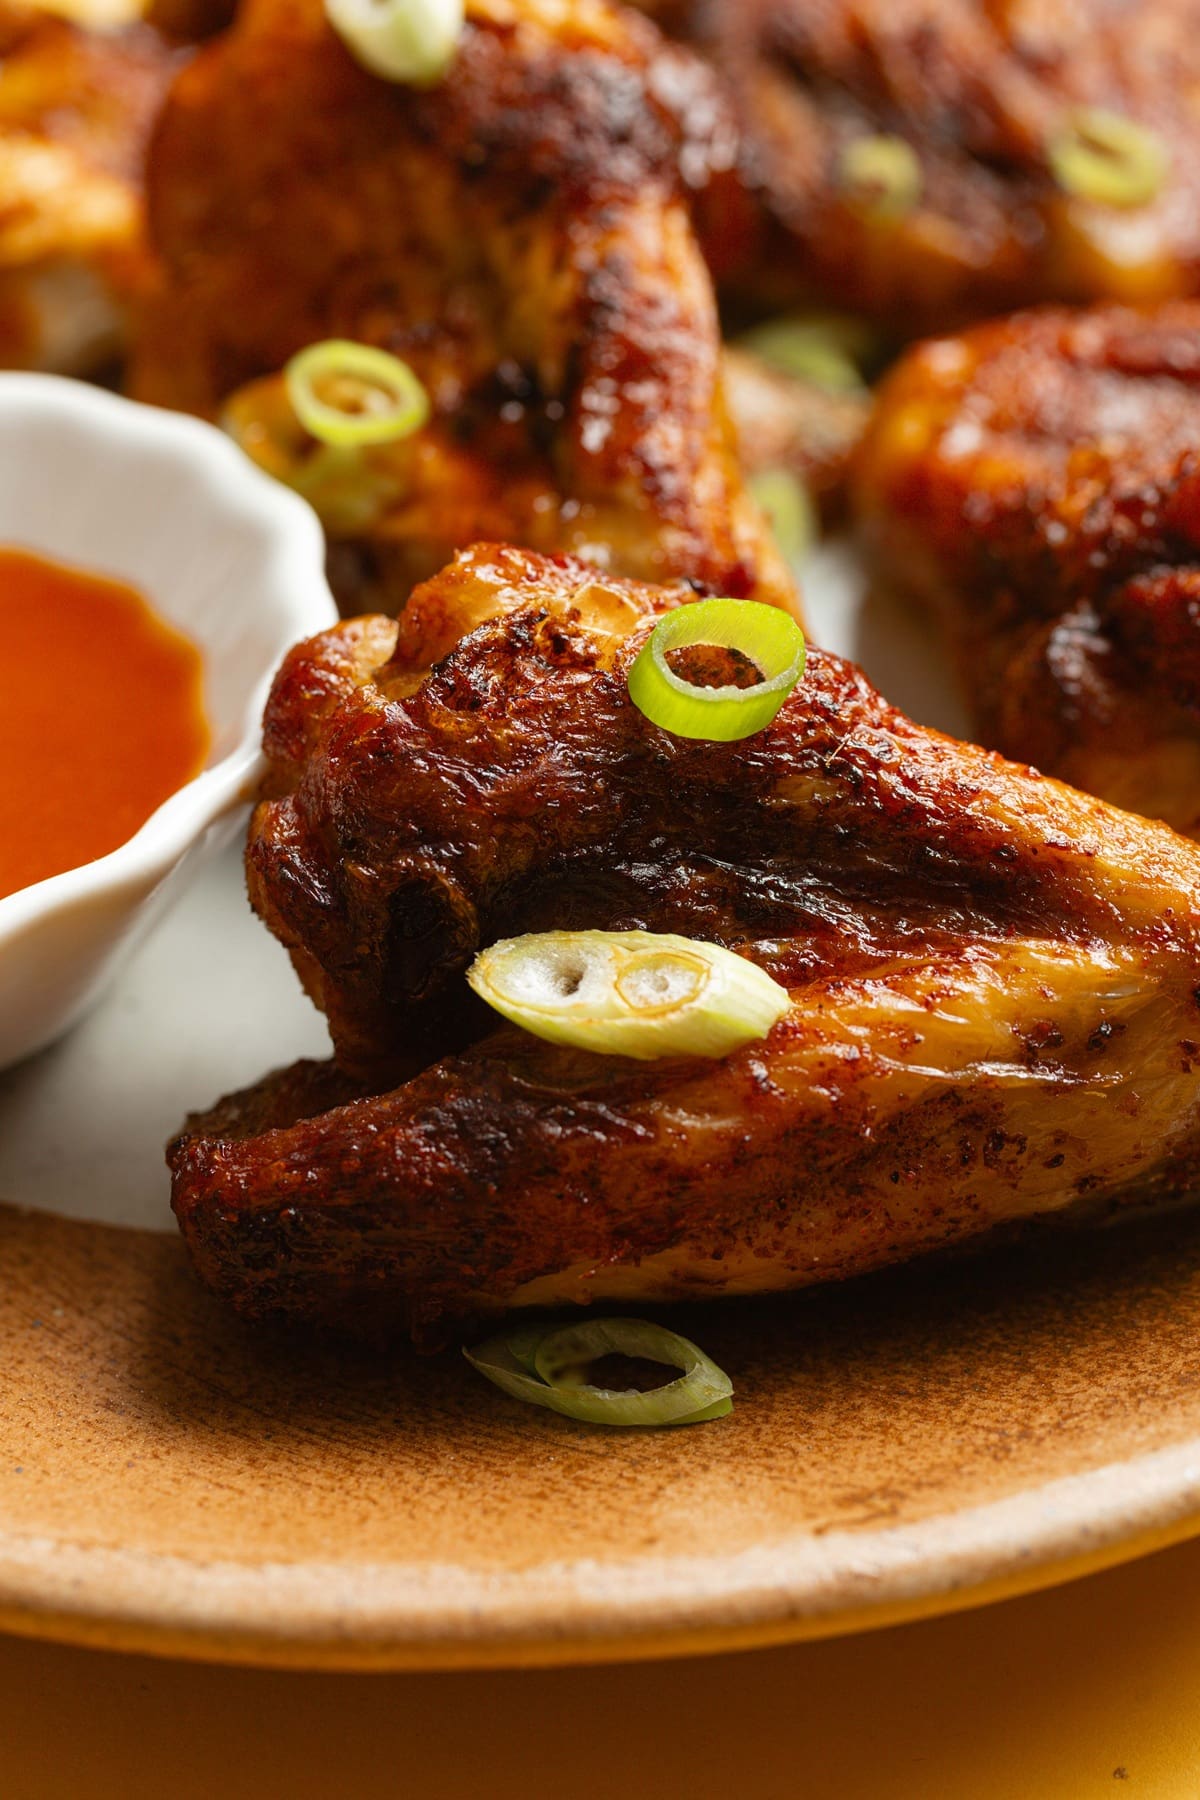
(1033, 484)
(994, 980)
(518, 233)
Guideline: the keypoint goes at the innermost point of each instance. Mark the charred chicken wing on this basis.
(993, 979)
(76, 108)
(519, 234)
(1035, 482)
(929, 161)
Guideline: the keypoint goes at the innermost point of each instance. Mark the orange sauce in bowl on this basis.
(101, 716)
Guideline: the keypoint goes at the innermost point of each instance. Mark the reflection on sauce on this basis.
(101, 716)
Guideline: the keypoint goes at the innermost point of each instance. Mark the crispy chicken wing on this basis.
(519, 233)
(1035, 482)
(76, 107)
(980, 92)
(994, 980)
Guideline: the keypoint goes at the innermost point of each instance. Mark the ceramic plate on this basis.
(170, 1480)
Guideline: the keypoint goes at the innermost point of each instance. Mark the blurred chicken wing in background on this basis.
(933, 161)
(519, 234)
(1035, 485)
(76, 109)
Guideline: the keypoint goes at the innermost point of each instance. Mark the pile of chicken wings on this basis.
(993, 977)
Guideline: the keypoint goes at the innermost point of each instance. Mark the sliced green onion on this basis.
(350, 489)
(826, 349)
(790, 513)
(351, 395)
(882, 175)
(522, 1346)
(760, 640)
(1106, 157)
(545, 1366)
(629, 993)
(412, 41)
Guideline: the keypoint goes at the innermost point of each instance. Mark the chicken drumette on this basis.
(1035, 483)
(977, 209)
(993, 980)
(519, 234)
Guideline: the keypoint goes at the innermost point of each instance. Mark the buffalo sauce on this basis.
(101, 716)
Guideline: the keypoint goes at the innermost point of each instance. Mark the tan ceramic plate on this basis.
(168, 1480)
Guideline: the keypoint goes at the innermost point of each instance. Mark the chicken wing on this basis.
(981, 94)
(994, 980)
(76, 107)
(1034, 483)
(520, 234)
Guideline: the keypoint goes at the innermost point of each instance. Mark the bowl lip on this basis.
(293, 562)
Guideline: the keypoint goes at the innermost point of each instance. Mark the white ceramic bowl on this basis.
(221, 551)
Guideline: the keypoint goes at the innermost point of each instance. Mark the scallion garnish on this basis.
(827, 349)
(881, 176)
(1106, 157)
(548, 1366)
(629, 993)
(352, 395)
(718, 669)
(351, 489)
(790, 512)
(413, 41)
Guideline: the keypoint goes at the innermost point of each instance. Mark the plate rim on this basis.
(375, 1617)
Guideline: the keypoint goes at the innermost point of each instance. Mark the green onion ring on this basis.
(351, 489)
(882, 175)
(411, 41)
(350, 394)
(791, 515)
(1105, 157)
(540, 1366)
(829, 350)
(642, 994)
(522, 1346)
(767, 635)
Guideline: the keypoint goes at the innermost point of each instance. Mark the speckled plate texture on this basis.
(927, 1438)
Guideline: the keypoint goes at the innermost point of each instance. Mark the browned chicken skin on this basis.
(1035, 483)
(76, 108)
(979, 90)
(994, 980)
(519, 233)
(190, 21)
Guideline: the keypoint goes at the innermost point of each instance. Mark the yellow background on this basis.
(1090, 1689)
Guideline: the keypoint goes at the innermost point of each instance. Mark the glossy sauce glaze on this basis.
(101, 716)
